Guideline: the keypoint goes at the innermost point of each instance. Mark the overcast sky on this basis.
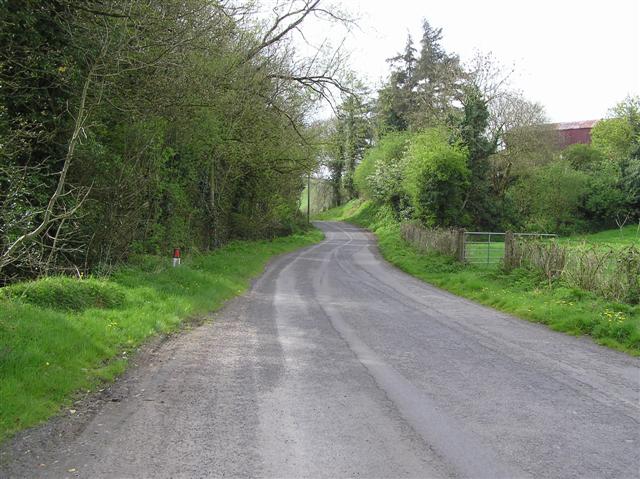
(576, 57)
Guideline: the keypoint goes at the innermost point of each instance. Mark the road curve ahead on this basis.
(336, 364)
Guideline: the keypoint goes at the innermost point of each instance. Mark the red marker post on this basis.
(176, 257)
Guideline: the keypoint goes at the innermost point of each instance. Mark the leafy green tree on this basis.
(612, 137)
(605, 200)
(618, 138)
(583, 157)
(549, 198)
(380, 174)
(436, 178)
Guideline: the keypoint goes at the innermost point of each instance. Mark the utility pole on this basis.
(309, 197)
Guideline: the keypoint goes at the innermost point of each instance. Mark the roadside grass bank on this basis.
(62, 335)
(522, 292)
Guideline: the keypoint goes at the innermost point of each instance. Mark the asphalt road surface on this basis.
(336, 364)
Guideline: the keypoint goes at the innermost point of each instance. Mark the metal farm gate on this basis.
(488, 248)
(482, 247)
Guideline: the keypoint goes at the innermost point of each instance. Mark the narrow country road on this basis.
(336, 364)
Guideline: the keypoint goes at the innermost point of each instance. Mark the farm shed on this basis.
(574, 132)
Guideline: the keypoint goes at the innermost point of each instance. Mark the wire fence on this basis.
(612, 272)
(472, 247)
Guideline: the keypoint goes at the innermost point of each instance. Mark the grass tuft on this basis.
(67, 294)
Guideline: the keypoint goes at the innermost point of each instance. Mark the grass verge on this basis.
(522, 292)
(61, 335)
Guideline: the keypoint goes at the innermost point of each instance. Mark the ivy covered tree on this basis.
(37, 79)
(480, 202)
(355, 137)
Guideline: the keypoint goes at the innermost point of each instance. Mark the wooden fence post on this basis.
(509, 253)
(460, 245)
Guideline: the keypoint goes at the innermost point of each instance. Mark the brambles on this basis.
(610, 272)
(441, 240)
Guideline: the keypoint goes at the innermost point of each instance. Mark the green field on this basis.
(60, 336)
(521, 292)
(628, 236)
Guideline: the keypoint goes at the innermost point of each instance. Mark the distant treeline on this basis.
(134, 127)
(452, 145)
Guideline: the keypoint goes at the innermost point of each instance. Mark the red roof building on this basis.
(574, 132)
